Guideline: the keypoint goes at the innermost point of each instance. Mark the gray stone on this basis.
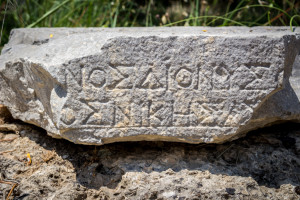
(185, 84)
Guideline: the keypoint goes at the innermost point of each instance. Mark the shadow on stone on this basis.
(5, 115)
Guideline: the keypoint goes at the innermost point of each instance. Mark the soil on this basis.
(263, 165)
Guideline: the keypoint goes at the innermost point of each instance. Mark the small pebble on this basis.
(230, 191)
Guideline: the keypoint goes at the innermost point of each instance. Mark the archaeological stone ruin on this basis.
(181, 84)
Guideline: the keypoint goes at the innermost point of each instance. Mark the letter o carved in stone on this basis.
(184, 78)
(97, 78)
(67, 116)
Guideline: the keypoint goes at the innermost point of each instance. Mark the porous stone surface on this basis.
(97, 86)
(263, 165)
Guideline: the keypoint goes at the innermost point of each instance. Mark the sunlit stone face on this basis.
(192, 88)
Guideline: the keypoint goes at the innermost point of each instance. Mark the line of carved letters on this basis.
(149, 77)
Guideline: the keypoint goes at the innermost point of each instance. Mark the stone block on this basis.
(98, 86)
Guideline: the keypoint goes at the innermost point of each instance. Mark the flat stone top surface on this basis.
(40, 33)
(187, 84)
(69, 43)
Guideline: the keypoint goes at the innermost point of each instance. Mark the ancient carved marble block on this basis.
(97, 86)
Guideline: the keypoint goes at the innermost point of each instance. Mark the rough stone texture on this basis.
(263, 165)
(97, 86)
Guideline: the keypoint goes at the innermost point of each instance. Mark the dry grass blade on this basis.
(3, 152)
(15, 184)
(14, 127)
(281, 14)
(11, 190)
(48, 13)
(224, 151)
(8, 140)
(3, 21)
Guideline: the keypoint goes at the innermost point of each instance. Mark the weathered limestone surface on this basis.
(97, 86)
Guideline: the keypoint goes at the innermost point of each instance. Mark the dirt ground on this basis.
(263, 165)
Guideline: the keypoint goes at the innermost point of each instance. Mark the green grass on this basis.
(129, 13)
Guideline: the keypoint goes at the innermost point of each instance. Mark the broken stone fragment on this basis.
(98, 86)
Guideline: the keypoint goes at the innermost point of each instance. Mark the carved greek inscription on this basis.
(181, 120)
(183, 77)
(144, 109)
(67, 116)
(121, 77)
(205, 82)
(241, 83)
(161, 113)
(76, 75)
(151, 78)
(140, 113)
(221, 78)
(203, 113)
(159, 96)
(131, 114)
(263, 75)
(182, 105)
(94, 77)
(238, 115)
(97, 78)
(103, 114)
(123, 115)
